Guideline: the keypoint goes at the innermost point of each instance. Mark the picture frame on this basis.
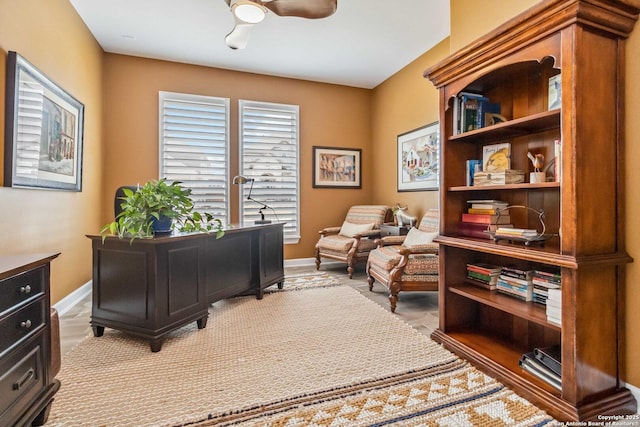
(419, 159)
(337, 167)
(44, 127)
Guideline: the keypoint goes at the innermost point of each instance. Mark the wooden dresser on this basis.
(26, 386)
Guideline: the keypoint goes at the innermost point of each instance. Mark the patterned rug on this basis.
(294, 282)
(322, 355)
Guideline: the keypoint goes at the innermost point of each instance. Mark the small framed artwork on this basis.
(419, 159)
(43, 130)
(337, 167)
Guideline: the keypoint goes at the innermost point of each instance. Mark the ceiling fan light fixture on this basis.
(248, 11)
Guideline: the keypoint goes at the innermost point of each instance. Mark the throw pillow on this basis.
(349, 229)
(416, 237)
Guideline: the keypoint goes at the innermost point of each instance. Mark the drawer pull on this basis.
(25, 289)
(26, 324)
(23, 379)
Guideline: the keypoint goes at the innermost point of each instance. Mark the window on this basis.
(268, 152)
(194, 143)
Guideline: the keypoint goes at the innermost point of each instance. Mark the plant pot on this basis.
(162, 225)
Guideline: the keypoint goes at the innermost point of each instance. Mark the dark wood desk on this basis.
(150, 287)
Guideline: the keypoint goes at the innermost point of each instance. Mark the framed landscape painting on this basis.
(419, 159)
(44, 130)
(337, 167)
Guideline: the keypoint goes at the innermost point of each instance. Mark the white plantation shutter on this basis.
(194, 148)
(269, 154)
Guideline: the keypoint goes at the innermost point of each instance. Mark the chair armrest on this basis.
(329, 230)
(429, 248)
(389, 240)
(369, 234)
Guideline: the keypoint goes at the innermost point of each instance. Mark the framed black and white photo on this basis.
(419, 159)
(337, 167)
(43, 130)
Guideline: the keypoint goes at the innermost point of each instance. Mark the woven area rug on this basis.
(321, 356)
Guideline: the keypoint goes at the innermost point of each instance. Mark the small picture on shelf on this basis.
(496, 157)
(555, 92)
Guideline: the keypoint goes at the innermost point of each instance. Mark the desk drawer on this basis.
(22, 378)
(20, 325)
(21, 288)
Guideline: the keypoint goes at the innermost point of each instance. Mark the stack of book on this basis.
(473, 111)
(483, 216)
(545, 363)
(484, 275)
(554, 306)
(516, 233)
(516, 283)
(542, 282)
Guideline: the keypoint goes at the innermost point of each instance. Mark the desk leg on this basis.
(98, 331)
(202, 322)
(259, 293)
(156, 345)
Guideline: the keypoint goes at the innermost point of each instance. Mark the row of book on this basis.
(516, 283)
(542, 287)
(473, 111)
(544, 363)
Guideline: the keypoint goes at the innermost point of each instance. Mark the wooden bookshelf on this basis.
(512, 66)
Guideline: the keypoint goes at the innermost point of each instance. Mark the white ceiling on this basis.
(361, 45)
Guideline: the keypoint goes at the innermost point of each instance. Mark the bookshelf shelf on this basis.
(525, 186)
(526, 310)
(522, 126)
(475, 344)
(513, 67)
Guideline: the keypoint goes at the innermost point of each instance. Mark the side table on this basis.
(393, 230)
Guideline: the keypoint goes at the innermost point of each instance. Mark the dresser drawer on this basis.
(19, 325)
(21, 379)
(18, 289)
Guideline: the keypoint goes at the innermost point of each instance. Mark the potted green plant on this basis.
(156, 208)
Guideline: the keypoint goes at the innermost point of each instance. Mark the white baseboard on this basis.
(307, 262)
(67, 303)
(299, 262)
(635, 391)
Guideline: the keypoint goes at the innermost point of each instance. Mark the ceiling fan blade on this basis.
(239, 36)
(310, 9)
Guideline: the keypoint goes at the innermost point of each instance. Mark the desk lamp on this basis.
(239, 180)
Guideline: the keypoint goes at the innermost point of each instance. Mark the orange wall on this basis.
(330, 115)
(51, 36)
(404, 102)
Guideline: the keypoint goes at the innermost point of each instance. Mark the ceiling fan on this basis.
(247, 13)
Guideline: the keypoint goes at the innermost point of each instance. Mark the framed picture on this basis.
(337, 167)
(43, 131)
(419, 159)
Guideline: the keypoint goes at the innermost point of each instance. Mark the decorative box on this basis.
(508, 176)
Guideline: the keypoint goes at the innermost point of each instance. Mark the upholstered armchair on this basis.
(352, 242)
(407, 263)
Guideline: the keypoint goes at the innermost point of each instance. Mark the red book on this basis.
(486, 218)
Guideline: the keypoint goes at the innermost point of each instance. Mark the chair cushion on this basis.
(422, 264)
(416, 237)
(385, 257)
(336, 243)
(350, 229)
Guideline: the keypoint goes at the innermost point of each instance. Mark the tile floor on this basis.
(418, 309)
